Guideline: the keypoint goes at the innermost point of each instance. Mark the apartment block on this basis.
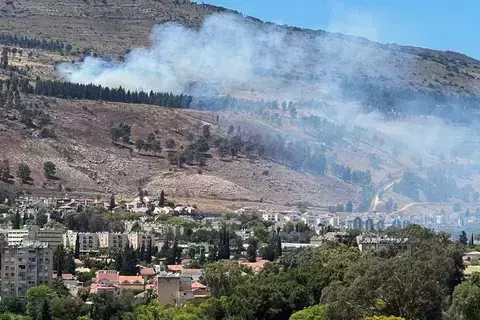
(136, 240)
(88, 241)
(53, 237)
(112, 241)
(25, 266)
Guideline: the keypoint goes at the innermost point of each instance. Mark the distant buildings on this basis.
(92, 243)
(53, 237)
(25, 266)
(380, 243)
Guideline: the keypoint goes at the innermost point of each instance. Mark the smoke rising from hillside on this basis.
(231, 54)
(227, 52)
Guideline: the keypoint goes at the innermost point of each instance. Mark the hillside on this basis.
(120, 25)
(88, 161)
(320, 152)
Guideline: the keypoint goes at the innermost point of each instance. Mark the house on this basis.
(309, 219)
(329, 237)
(135, 283)
(70, 282)
(256, 266)
(199, 290)
(380, 243)
(106, 281)
(472, 255)
(173, 289)
(175, 267)
(147, 273)
(195, 274)
(293, 218)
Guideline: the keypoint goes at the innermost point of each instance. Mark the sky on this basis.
(435, 24)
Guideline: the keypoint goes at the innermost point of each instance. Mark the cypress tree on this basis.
(112, 202)
(162, 199)
(118, 260)
(59, 260)
(129, 261)
(278, 247)
(148, 254)
(46, 313)
(143, 253)
(77, 247)
(16, 221)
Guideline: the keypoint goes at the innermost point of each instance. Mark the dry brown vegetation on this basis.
(87, 160)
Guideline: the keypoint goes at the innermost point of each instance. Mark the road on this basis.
(413, 204)
(376, 200)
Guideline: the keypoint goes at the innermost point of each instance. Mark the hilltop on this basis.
(113, 27)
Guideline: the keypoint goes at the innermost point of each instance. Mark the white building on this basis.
(53, 237)
(293, 218)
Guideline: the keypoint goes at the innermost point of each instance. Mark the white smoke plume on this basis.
(232, 54)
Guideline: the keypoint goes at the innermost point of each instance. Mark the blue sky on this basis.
(436, 24)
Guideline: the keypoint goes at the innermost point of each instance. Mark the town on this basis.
(159, 249)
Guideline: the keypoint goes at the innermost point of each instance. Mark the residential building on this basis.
(397, 223)
(89, 242)
(380, 225)
(137, 240)
(329, 237)
(147, 273)
(199, 290)
(309, 219)
(134, 283)
(380, 243)
(369, 225)
(53, 237)
(112, 241)
(173, 289)
(293, 218)
(25, 266)
(195, 274)
(106, 281)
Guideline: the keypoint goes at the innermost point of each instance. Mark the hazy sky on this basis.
(436, 24)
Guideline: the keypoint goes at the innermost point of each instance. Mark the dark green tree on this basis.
(112, 202)
(463, 239)
(5, 170)
(77, 247)
(161, 203)
(16, 220)
(24, 172)
(46, 313)
(49, 170)
(148, 253)
(349, 207)
(129, 262)
(252, 249)
(224, 246)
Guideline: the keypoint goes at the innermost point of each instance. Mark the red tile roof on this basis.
(131, 280)
(198, 285)
(65, 276)
(110, 275)
(147, 272)
(175, 267)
